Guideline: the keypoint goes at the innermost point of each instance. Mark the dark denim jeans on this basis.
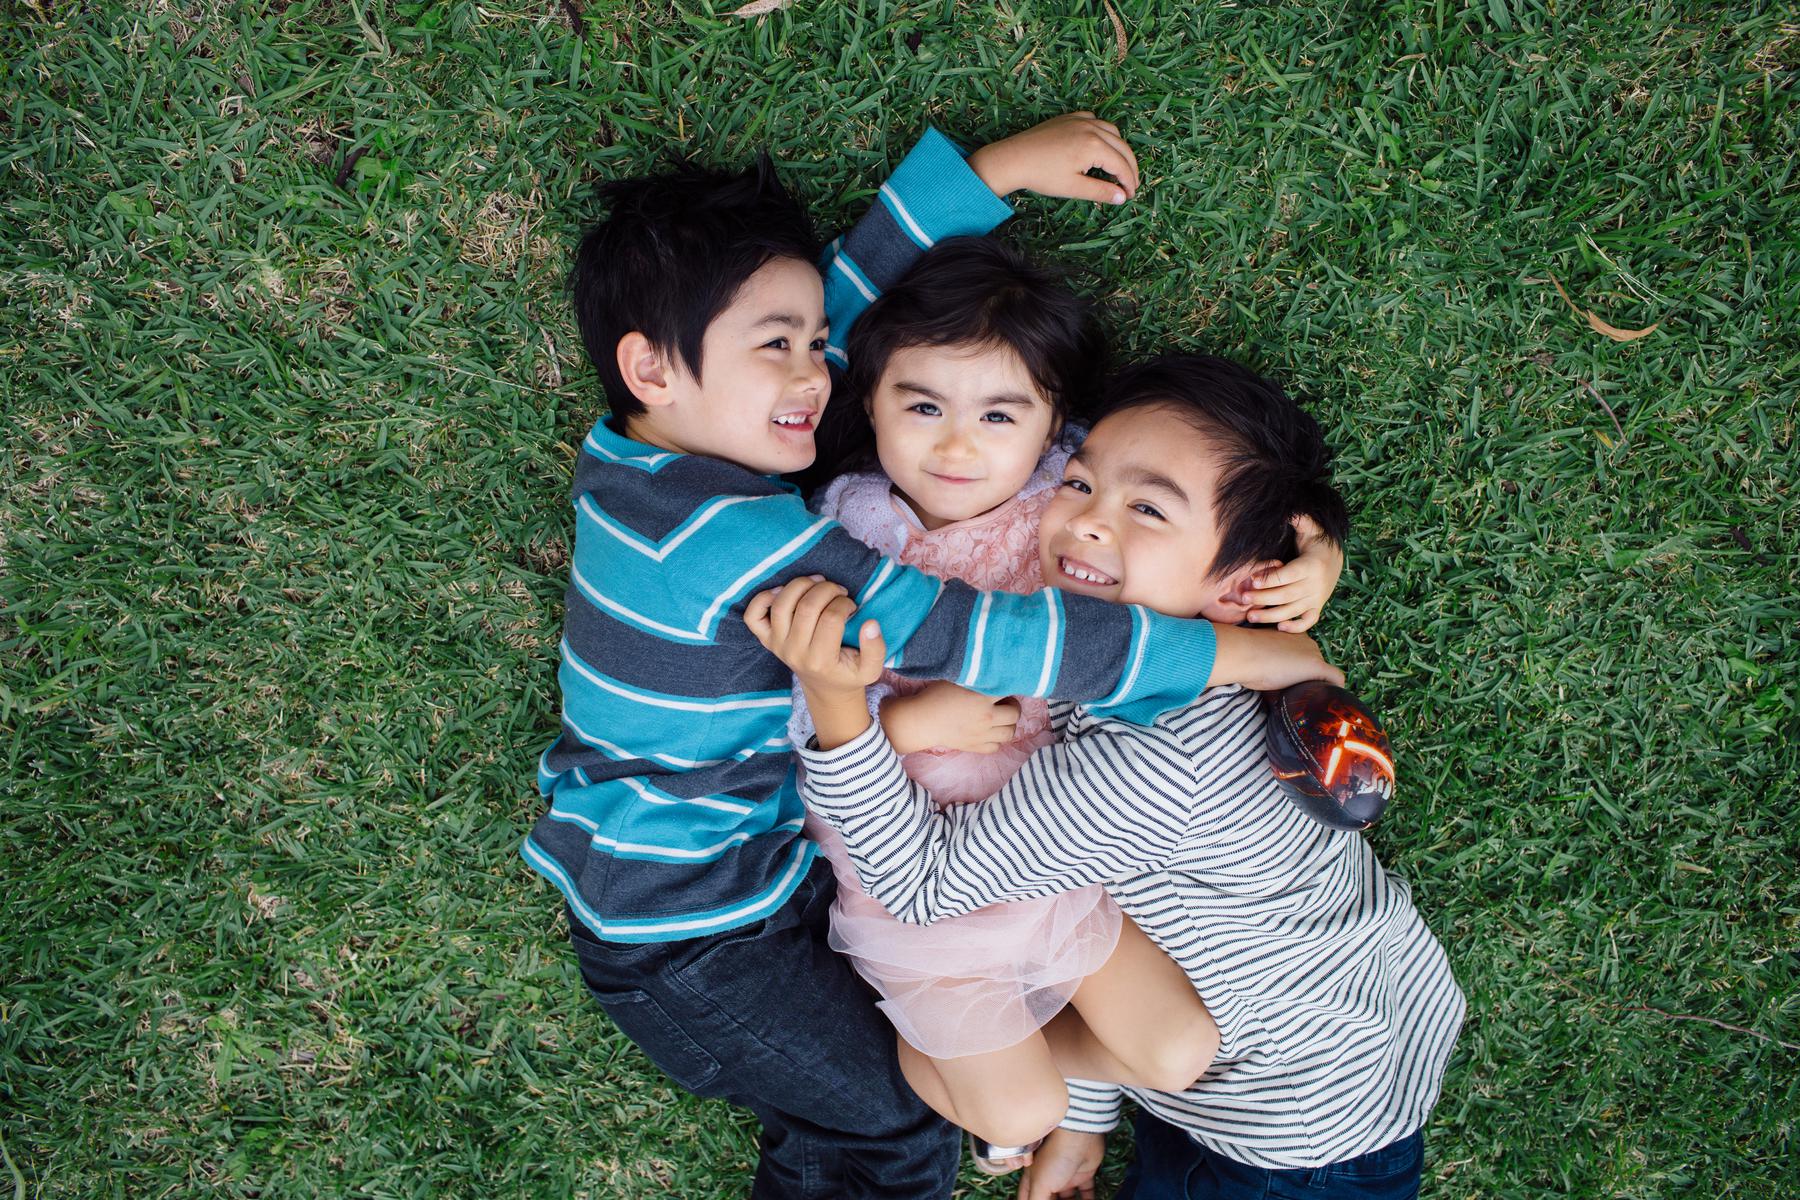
(1173, 1166)
(769, 1017)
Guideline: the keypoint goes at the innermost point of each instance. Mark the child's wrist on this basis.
(899, 725)
(989, 168)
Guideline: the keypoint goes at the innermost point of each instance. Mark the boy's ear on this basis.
(1234, 599)
(644, 371)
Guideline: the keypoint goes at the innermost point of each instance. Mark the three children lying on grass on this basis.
(1052, 902)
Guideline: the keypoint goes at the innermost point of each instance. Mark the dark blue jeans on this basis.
(771, 1018)
(1173, 1166)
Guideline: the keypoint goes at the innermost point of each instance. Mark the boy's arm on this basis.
(1123, 660)
(933, 194)
(1105, 806)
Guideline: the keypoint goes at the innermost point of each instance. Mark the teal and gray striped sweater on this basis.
(674, 810)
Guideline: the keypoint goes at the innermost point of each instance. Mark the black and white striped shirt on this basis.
(1335, 1005)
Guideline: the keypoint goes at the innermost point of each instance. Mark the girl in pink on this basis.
(955, 420)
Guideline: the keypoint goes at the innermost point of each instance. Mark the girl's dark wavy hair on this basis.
(1275, 465)
(963, 292)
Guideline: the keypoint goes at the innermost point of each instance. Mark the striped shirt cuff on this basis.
(861, 776)
(1093, 1107)
(935, 194)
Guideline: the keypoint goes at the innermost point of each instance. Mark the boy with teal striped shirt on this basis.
(673, 826)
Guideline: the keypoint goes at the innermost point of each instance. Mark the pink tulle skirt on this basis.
(990, 978)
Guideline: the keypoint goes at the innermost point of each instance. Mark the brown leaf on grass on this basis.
(1118, 29)
(758, 8)
(1599, 326)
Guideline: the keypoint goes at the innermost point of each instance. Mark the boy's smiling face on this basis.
(1134, 521)
(762, 382)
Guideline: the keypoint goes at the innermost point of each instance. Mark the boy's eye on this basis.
(924, 408)
(1149, 511)
(1078, 485)
(997, 418)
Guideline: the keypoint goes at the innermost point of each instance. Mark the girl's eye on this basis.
(997, 418)
(818, 346)
(1078, 485)
(779, 343)
(924, 408)
(1148, 511)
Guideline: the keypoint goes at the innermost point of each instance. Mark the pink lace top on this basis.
(996, 551)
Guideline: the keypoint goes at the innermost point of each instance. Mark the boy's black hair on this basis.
(966, 291)
(1275, 465)
(671, 253)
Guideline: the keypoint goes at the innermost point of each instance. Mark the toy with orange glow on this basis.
(1330, 754)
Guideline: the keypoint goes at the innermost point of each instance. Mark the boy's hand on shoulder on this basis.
(1291, 596)
(943, 716)
(802, 624)
(1054, 158)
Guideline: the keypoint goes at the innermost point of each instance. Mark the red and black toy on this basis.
(1329, 754)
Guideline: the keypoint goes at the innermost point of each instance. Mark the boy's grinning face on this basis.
(1134, 520)
(959, 429)
(763, 382)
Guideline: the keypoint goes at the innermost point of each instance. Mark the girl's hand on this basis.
(1054, 158)
(1063, 1167)
(1291, 596)
(802, 624)
(944, 716)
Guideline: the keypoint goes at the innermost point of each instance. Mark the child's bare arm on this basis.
(1054, 158)
(943, 716)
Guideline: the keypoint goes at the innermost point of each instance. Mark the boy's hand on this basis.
(803, 626)
(1053, 159)
(1063, 1167)
(1267, 662)
(943, 716)
(1291, 596)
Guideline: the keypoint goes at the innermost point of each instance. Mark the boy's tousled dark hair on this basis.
(966, 291)
(670, 254)
(1275, 465)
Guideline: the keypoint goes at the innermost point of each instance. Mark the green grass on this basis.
(292, 396)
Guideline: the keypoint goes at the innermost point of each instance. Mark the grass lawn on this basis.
(292, 396)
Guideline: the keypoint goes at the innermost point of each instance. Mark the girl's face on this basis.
(958, 429)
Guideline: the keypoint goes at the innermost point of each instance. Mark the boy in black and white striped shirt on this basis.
(1335, 1006)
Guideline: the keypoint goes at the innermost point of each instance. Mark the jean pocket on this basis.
(643, 1019)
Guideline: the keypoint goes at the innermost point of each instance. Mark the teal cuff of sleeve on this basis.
(1170, 663)
(935, 194)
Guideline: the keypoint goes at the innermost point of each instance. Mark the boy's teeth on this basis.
(1085, 576)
